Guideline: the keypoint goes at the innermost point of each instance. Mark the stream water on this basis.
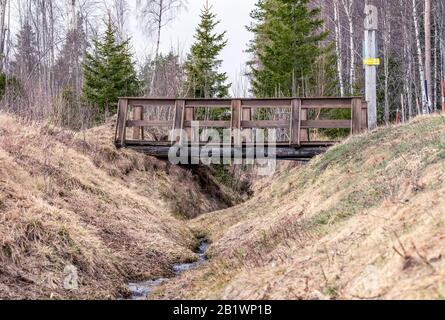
(142, 290)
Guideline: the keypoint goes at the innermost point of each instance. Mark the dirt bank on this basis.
(74, 211)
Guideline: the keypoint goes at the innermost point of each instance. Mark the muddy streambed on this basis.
(143, 290)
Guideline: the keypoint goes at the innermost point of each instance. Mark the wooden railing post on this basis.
(304, 133)
(178, 122)
(138, 115)
(121, 128)
(356, 116)
(189, 116)
(236, 123)
(295, 123)
(364, 116)
(247, 133)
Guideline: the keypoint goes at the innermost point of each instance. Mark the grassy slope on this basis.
(364, 221)
(73, 199)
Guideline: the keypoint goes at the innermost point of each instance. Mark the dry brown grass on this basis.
(72, 199)
(364, 221)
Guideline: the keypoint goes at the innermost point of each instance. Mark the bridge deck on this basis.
(175, 120)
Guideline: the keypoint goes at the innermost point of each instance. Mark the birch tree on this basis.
(428, 74)
(3, 9)
(338, 46)
(419, 57)
(348, 6)
(154, 15)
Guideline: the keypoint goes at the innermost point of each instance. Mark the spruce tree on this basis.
(286, 47)
(109, 73)
(203, 78)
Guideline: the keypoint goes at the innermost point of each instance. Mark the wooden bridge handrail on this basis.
(241, 111)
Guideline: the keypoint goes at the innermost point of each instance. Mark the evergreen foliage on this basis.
(109, 73)
(286, 49)
(203, 78)
(26, 64)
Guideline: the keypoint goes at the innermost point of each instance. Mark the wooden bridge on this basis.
(298, 121)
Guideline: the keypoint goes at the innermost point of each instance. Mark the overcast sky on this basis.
(234, 16)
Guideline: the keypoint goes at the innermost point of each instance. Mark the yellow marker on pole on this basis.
(371, 62)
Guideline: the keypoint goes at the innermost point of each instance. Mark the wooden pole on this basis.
(296, 122)
(189, 116)
(304, 133)
(121, 129)
(178, 122)
(236, 123)
(247, 133)
(138, 114)
(356, 116)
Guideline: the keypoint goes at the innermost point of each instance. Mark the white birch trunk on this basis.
(420, 58)
(3, 7)
(348, 6)
(338, 47)
(428, 73)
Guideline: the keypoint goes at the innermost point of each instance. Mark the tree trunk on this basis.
(386, 53)
(428, 77)
(420, 58)
(348, 6)
(338, 47)
(3, 6)
(158, 44)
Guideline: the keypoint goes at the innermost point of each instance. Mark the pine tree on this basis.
(68, 66)
(286, 47)
(109, 73)
(26, 63)
(203, 78)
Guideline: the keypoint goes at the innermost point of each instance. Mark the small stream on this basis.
(142, 290)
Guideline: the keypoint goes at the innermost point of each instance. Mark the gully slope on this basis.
(80, 219)
(364, 221)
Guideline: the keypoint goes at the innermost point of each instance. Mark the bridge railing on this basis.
(181, 114)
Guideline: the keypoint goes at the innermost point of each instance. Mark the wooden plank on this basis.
(121, 123)
(315, 144)
(295, 122)
(151, 102)
(267, 103)
(146, 123)
(326, 124)
(332, 103)
(138, 115)
(265, 124)
(280, 152)
(210, 124)
(236, 122)
(208, 103)
(356, 116)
